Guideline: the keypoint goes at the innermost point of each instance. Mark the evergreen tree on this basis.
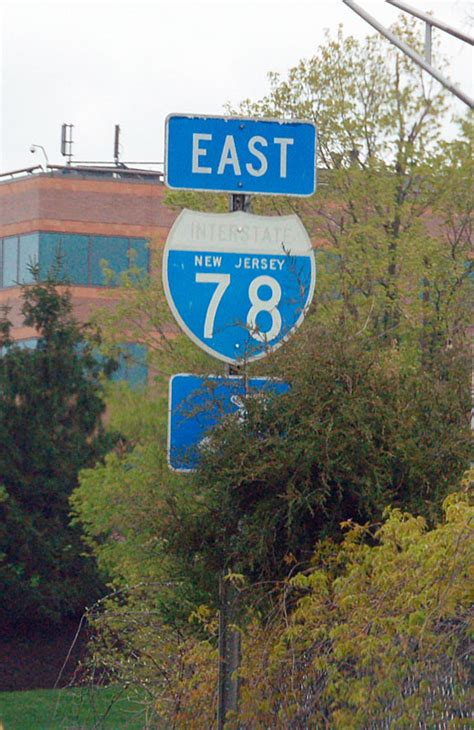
(51, 408)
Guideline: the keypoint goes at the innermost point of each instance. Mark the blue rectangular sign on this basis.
(240, 155)
(197, 403)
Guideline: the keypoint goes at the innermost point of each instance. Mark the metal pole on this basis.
(428, 39)
(410, 52)
(229, 652)
(117, 144)
(229, 638)
(432, 21)
(239, 202)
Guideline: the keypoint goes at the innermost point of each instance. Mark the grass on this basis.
(71, 709)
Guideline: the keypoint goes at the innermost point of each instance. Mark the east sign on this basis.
(238, 284)
(240, 155)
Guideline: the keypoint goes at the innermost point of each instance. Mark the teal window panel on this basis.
(66, 254)
(29, 344)
(330, 262)
(111, 249)
(10, 261)
(132, 365)
(28, 257)
(139, 254)
(121, 372)
(132, 361)
(49, 250)
(469, 266)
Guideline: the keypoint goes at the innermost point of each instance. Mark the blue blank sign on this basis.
(240, 155)
(198, 403)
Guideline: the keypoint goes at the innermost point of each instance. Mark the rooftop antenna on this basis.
(66, 141)
(424, 62)
(117, 145)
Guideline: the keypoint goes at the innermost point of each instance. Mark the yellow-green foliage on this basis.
(368, 634)
(373, 622)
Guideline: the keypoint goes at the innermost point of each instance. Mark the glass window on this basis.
(1, 263)
(132, 365)
(328, 265)
(66, 253)
(10, 261)
(29, 344)
(28, 257)
(138, 253)
(114, 251)
(50, 252)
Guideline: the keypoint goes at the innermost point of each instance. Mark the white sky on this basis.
(99, 64)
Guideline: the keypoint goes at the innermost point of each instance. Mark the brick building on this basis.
(84, 215)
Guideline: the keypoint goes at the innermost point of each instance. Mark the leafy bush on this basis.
(380, 634)
(374, 633)
(359, 430)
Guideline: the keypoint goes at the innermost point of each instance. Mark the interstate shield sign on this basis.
(238, 284)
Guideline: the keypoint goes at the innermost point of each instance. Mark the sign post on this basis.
(237, 284)
(230, 649)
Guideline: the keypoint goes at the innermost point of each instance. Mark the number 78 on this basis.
(257, 304)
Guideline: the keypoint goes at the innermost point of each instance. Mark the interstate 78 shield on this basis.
(238, 284)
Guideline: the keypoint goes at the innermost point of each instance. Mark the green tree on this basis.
(51, 406)
(392, 215)
(357, 431)
(378, 411)
(129, 504)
